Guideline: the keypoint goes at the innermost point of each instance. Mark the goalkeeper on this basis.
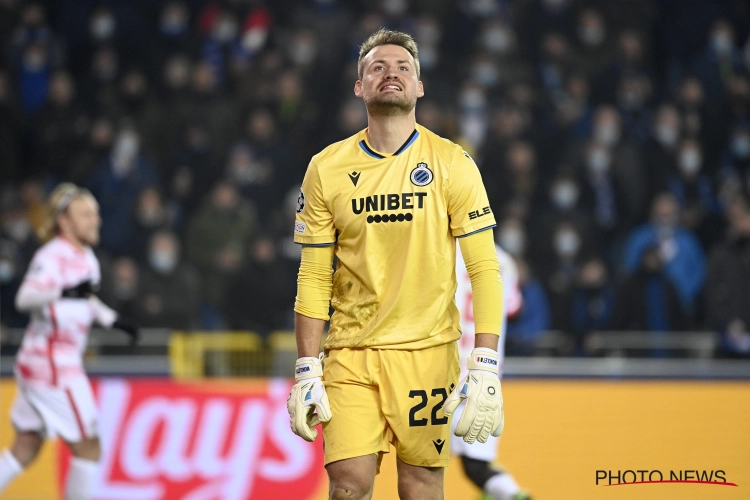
(389, 203)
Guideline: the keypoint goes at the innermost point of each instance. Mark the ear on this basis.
(420, 89)
(358, 88)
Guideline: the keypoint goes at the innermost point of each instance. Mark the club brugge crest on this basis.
(300, 201)
(421, 176)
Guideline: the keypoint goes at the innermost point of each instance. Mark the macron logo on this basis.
(490, 361)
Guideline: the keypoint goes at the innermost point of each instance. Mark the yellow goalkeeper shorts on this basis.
(391, 396)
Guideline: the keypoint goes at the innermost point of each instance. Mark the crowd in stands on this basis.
(613, 138)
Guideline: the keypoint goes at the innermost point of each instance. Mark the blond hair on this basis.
(58, 202)
(387, 37)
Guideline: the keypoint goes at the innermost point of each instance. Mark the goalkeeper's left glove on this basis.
(307, 395)
(483, 414)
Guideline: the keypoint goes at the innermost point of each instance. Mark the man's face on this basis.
(81, 220)
(389, 84)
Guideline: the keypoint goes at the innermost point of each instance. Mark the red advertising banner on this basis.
(163, 439)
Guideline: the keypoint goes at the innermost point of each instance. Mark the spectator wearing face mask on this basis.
(727, 299)
(594, 45)
(609, 155)
(660, 150)
(721, 59)
(593, 299)
(602, 194)
(260, 293)
(193, 167)
(174, 33)
(168, 295)
(693, 189)
(559, 273)
(511, 236)
(647, 299)
(60, 128)
(563, 206)
(217, 238)
(11, 276)
(116, 183)
(630, 59)
(679, 249)
(534, 317)
(253, 176)
(736, 157)
(633, 96)
(97, 146)
(121, 288)
(151, 216)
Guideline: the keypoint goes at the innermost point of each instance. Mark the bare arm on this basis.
(309, 332)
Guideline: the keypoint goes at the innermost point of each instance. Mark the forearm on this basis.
(309, 332)
(31, 297)
(483, 267)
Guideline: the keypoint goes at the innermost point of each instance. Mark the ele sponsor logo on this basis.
(656, 476)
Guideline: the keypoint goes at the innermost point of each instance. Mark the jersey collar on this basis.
(371, 152)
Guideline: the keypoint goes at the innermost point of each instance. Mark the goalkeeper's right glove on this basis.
(483, 413)
(307, 395)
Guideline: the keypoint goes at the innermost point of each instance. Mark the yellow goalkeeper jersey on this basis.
(393, 220)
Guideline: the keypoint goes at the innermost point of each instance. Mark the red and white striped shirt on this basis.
(55, 340)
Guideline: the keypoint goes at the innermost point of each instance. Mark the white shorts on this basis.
(68, 411)
(487, 452)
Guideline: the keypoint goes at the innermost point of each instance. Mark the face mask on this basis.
(741, 146)
(19, 230)
(483, 8)
(254, 39)
(607, 134)
(303, 53)
(102, 27)
(722, 43)
(667, 135)
(512, 240)
(497, 40)
(163, 262)
(690, 162)
(124, 291)
(151, 218)
(598, 161)
(592, 35)
(225, 30)
(486, 74)
(428, 57)
(567, 243)
(564, 195)
(7, 271)
(394, 7)
(631, 100)
(174, 24)
(34, 61)
(472, 100)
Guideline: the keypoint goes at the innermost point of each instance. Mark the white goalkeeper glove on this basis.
(308, 395)
(483, 413)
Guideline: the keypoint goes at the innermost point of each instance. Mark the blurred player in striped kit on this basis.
(477, 457)
(54, 394)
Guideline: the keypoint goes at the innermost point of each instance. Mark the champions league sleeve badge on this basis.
(300, 201)
(422, 175)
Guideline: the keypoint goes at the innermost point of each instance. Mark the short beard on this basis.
(398, 107)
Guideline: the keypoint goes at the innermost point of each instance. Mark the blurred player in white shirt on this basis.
(477, 458)
(54, 395)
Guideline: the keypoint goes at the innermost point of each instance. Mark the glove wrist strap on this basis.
(308, 367)
(484, 359)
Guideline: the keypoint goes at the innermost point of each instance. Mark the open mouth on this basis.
(392, 87)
